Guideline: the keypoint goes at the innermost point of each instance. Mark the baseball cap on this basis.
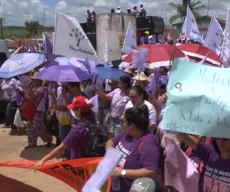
(144, 185)
(79, 103)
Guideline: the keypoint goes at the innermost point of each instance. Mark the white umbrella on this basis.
(20, 64)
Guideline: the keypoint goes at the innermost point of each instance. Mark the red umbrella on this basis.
(158, 55)
(198, 52)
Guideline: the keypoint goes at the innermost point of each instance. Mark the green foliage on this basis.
(181, 9)
(31, 27)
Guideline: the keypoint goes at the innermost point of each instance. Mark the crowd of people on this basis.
(128, 115)
(130, 111)
(134, 11)
(91, 16)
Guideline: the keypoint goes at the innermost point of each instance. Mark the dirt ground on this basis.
(21, 180)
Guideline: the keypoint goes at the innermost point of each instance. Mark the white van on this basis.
(4, 55)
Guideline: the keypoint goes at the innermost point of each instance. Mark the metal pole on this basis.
(44, 17)
(1, 27)
(208, 8)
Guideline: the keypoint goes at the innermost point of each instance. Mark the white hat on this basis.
(141, 77)
(35, 76)
(118, 7)
(145, 185)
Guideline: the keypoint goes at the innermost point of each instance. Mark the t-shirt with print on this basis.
(216, 176)
(148, 157)
(151, 108)
(119, 99)
(41, 99)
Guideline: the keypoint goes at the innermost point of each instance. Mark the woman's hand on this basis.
(38, 164)
(164, 98)
(117, 172)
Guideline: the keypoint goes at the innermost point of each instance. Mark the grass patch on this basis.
(14, 33)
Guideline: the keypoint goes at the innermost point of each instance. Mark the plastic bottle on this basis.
(116, 185)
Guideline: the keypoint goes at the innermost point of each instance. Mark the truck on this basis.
(112, 28)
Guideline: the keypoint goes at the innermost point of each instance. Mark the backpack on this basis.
(97, 139)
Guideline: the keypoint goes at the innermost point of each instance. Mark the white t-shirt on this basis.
(152, 111)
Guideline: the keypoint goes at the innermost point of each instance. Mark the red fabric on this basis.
(158, 53)
(201, 50)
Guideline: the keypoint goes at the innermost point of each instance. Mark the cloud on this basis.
(16, 12)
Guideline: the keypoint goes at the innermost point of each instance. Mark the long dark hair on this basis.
(140, 91)
(138, 116)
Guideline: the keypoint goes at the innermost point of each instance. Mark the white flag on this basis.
(106, 53)
(53, 37)
(225, 54)
(94, 101)
(70, 40)
(130, 42)
(215, 37)
(190, 27)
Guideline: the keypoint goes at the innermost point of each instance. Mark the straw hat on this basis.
(129, 71)
(141, 77)
(35, 76)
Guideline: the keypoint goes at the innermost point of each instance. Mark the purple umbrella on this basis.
(63, 74)
(51, 63)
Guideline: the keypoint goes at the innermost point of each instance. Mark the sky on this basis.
(16, 12)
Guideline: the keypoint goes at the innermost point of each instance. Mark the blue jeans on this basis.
(63, 132)
(115, 126)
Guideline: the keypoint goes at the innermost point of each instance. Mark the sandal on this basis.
(13, 131)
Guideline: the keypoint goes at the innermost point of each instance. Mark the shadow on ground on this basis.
(36, 153)
(12, 185)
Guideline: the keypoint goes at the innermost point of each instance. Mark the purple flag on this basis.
(48, 47)
(154, 83)
(32, 49)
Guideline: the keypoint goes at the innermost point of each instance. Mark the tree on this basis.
(32, 27)
(194, 5)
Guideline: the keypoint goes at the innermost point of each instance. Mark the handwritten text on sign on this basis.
(198, 100)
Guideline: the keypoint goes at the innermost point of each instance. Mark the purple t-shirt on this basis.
(148, 158)
(216, 176)
(119, 100)
(77, 140)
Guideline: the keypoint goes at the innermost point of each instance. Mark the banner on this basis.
(180, 172)
(215, 38)
(198, 102)
(225, 54)
(190, 27)
(75, 173)
(130, 42)
(70, 40)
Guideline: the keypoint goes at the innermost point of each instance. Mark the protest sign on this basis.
(198, 100)
(180, 172)
(75, 173)
(70, 39)
(105, 168)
